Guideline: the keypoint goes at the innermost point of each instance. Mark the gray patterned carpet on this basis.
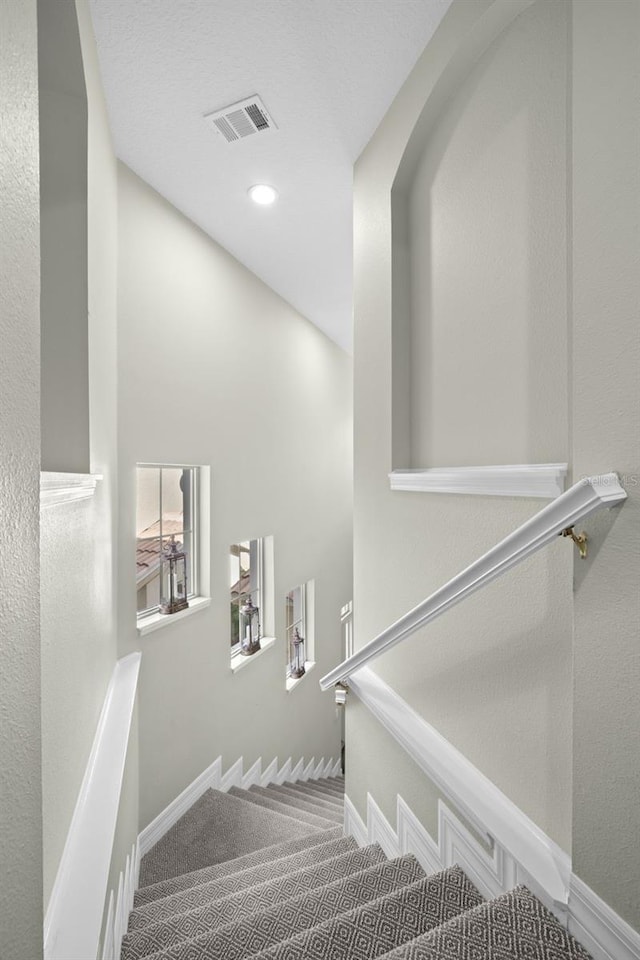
(271, 878)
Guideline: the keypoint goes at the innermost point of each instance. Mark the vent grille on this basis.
(242, 119)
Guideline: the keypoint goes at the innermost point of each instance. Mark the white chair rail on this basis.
(577, 503)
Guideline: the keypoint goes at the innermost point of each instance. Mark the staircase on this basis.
(267, 874)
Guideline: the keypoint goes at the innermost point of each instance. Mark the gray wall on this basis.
(215, 369)
(20, 791)
(606, 434)
(467, 359)
(63, 240)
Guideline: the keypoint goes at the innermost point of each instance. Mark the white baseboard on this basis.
(270, 773)
(298, 770)
(308, 770)
(604, 934)
(319, 770)
(284, 773)
(253, 775)
(209, 778)
(354, 825)
(493, 871)
(233, 776)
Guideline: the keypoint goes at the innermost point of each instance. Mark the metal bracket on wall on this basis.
(341, 690)
(580, 539)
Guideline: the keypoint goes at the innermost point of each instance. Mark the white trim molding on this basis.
(74, 915)
(120, 906)
(493, 871)
(157, 620)
(518, 480)
(58, 488)
(495, 817)
(579, 502)
(599, 928)
(209, 778)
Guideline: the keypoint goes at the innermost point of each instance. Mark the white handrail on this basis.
(578, 502)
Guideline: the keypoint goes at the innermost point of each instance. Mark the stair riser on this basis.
(300, 816)
(166, 888)
(200, 895)
(299, 803)
(236, 907)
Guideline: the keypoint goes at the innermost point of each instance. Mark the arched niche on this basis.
(479, 251)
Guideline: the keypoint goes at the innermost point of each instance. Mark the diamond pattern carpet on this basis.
(265, 874)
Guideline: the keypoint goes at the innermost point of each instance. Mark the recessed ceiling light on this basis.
(263, 194)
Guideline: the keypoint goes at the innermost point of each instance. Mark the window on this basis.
(299, 604)
(246, 583)
(166, 510)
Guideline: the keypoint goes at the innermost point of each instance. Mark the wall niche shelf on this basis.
(545, 480)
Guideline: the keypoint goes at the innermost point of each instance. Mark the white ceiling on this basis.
(327, 70)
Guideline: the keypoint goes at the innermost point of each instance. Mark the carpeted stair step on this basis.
(513, 926)
(312, 796)
(238, 906)
(165, 888)
(337, 786)
(297, 802)
(278, 924)
(202, 894)
(220, 827)
(376, 928)
(300, 817)
(316, 788)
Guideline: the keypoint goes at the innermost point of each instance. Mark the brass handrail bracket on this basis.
(580, 539)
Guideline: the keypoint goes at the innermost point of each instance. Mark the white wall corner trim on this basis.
(520, 480)
(578, 502)
(604, 934)
(74, 915)
(487, 809)
(56, 488)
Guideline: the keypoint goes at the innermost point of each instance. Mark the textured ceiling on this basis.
(327, 70)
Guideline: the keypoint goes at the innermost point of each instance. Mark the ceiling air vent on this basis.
(242, 119)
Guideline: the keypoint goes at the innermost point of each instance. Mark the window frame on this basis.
(259, 589)
(195, 564)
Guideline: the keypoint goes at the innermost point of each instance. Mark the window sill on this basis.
(157, 620)
(293, 682)
(238, 661)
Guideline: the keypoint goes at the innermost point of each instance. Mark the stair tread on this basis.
(275, 925)
(376, 928)
(222, 886)
(219, 827)
(318, 786)
(164, 888)
(299, 803)
(298, 817)
(509, 927)
(315, 796)
(237, 906)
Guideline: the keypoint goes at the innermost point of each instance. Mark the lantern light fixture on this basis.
(297, 655)
(173, 578)
(249, 628)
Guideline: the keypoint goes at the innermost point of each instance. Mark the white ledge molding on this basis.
(74, 915)
(579, 501)
(66, 487)
(519, 480)
(157, 620)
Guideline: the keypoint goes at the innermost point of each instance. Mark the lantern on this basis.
(173, 578)
(297, 655)
(249, 629)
